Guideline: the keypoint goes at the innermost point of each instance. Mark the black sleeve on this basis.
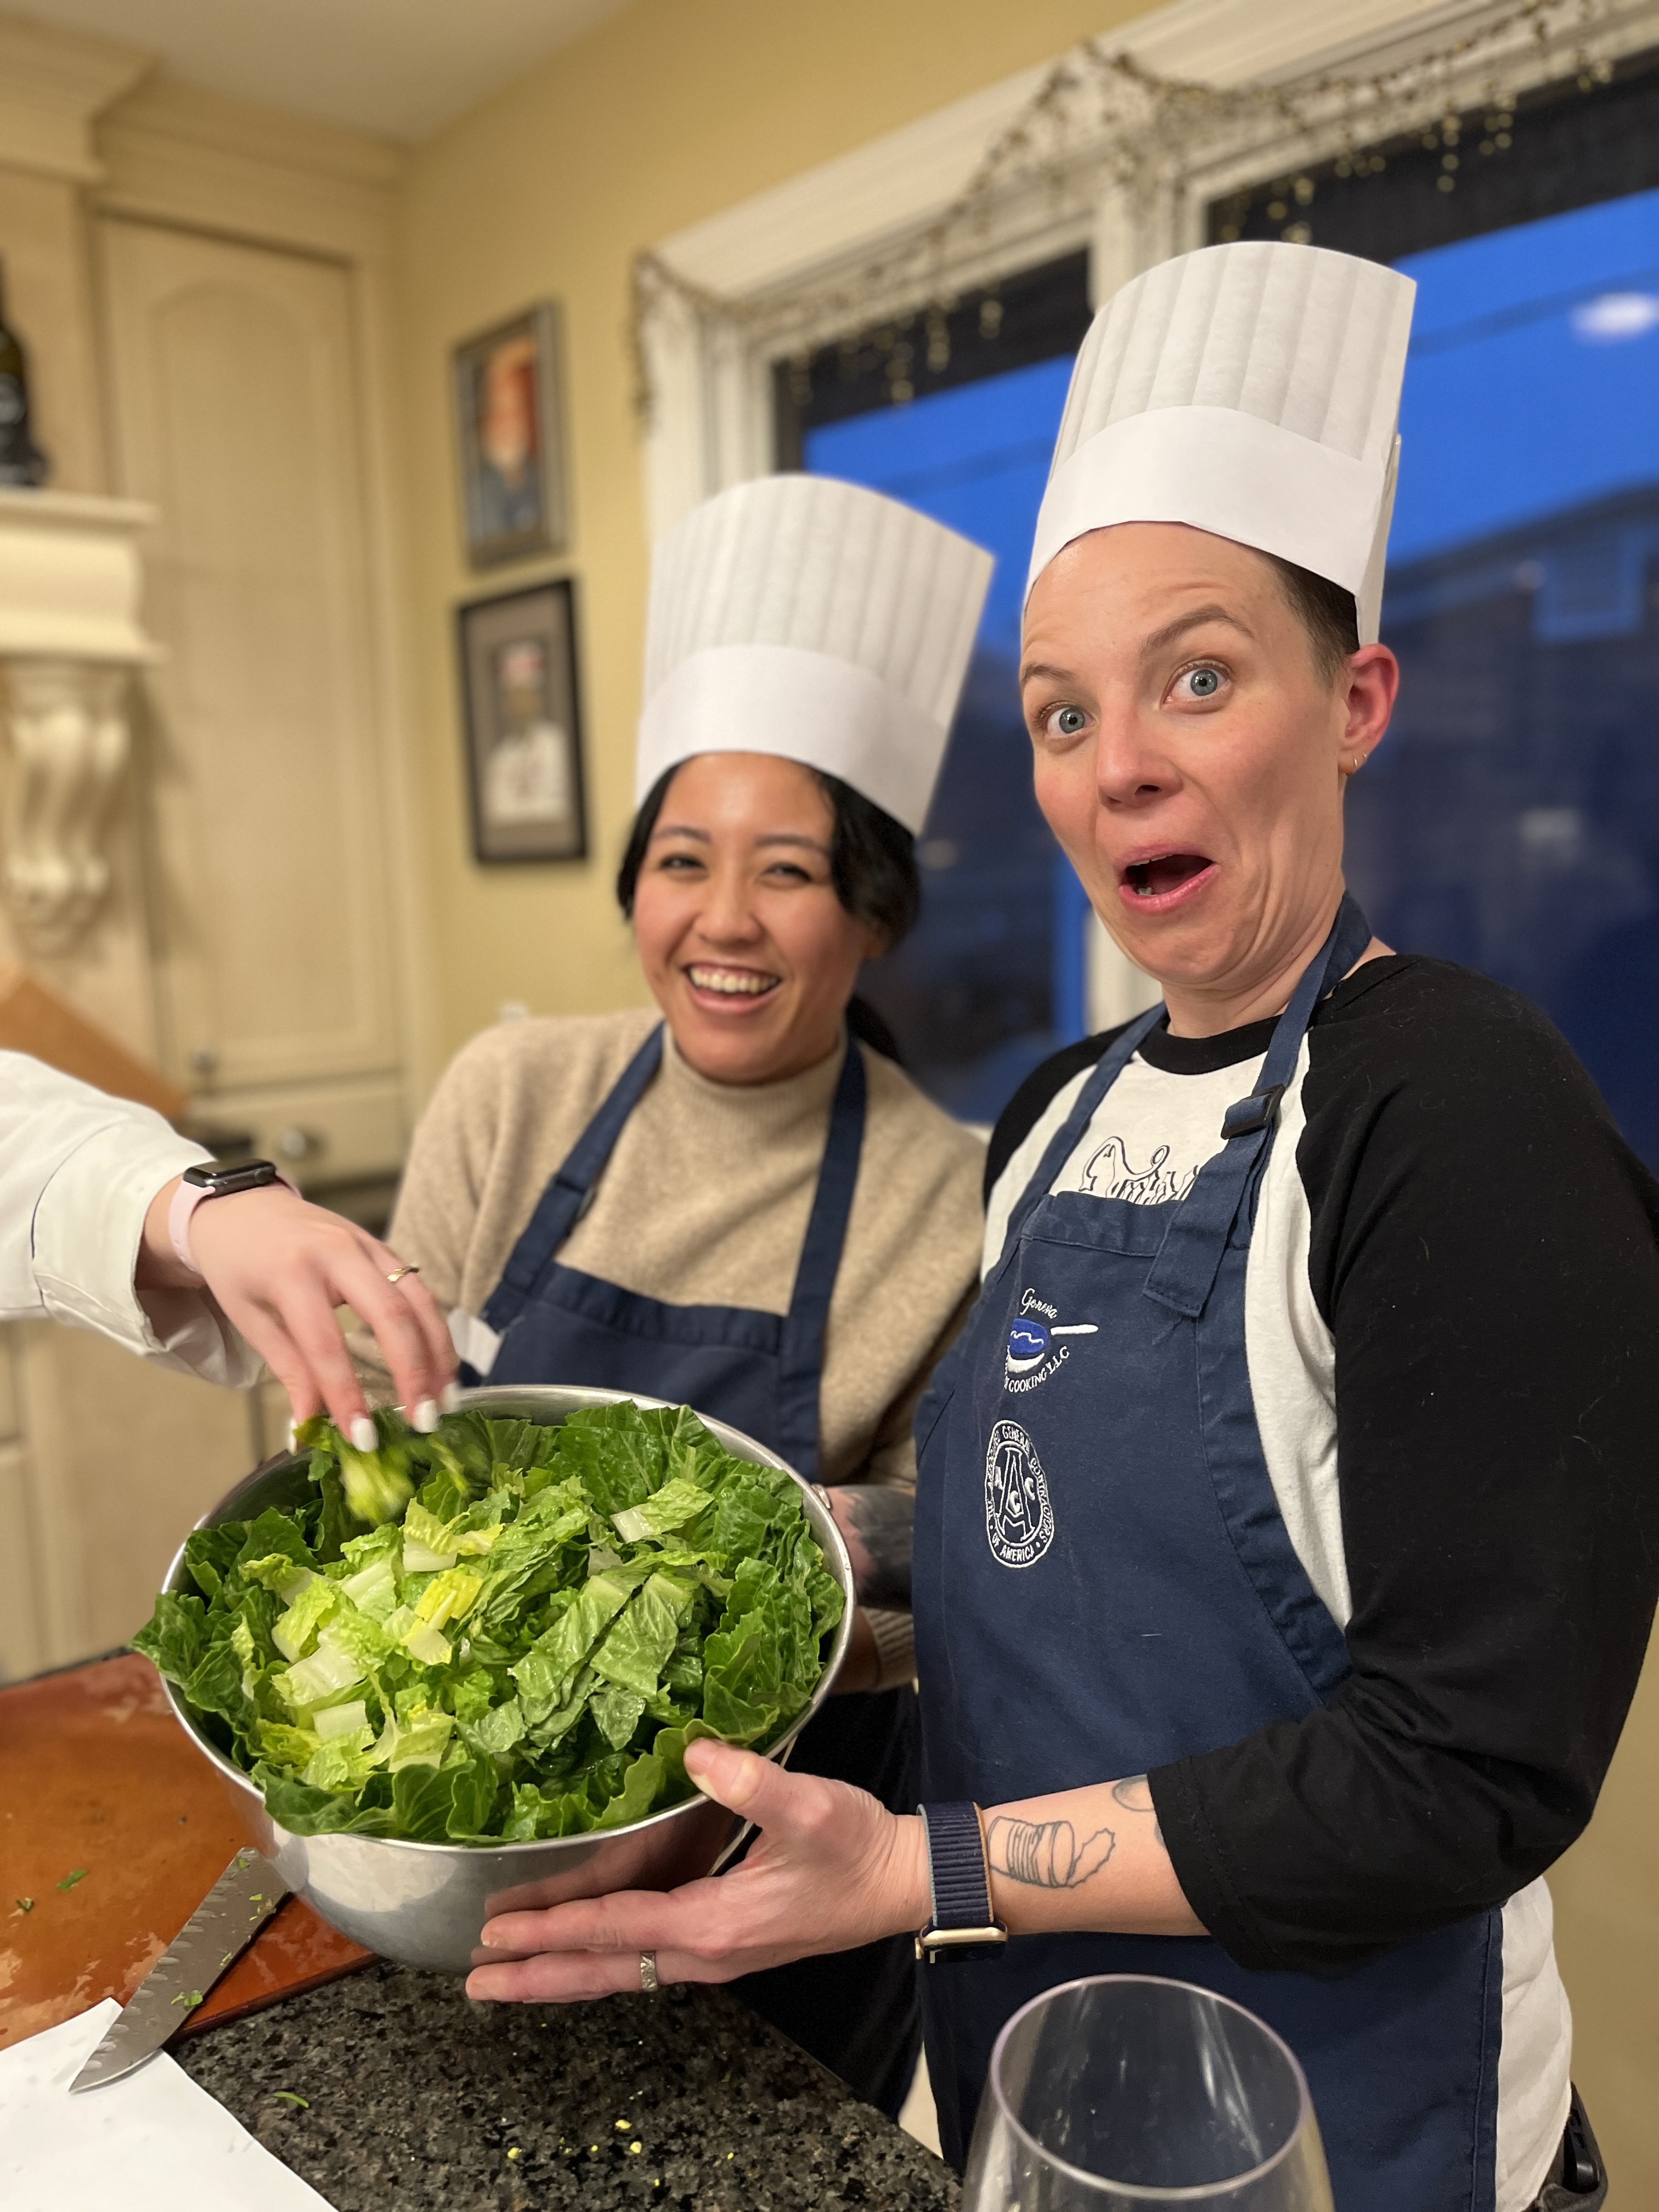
(1029, 1103)
(1483, 1252)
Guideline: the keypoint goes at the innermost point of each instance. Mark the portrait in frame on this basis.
(507, 418)
(518, 655)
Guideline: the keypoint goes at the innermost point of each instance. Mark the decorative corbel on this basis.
(68, 726)
(69, 641)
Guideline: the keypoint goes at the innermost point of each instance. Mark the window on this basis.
(1511, 821)
(956, 415)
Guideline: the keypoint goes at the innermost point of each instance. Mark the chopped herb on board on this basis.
(288, 2096)
(69, 1880)
(24, 1904)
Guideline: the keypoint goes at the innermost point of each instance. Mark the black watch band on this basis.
(222, 1183)
(962, 1924)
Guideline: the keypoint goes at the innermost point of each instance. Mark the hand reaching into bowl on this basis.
(279, 1267)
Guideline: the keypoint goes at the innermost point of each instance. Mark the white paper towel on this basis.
(150, 2144)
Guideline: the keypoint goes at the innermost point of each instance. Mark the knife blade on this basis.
(221, 1927)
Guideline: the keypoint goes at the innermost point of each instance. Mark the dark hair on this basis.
(1324, 609)
(872, 858)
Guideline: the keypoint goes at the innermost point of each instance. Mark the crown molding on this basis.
(52, 86)
(854, 205)
(172, 152)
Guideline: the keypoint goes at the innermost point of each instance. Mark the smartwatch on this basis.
(962, 1924)
(206, 1181)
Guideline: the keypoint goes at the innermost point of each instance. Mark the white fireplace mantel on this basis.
(71, 637)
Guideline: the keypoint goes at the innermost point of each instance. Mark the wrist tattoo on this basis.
(1135, 1794)
(879, 1524)
(1046, 1854)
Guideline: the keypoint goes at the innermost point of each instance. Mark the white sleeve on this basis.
(77, 1172)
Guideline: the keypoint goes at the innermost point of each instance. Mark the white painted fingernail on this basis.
(364, 1433)
(452, 1397)
(427, 1416)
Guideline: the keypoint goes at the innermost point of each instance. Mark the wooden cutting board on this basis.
(113, 1828)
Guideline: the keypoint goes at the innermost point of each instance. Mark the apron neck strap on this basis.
(1066, 1138)
(570, 1192)
(808, 1318)
(1184, 1273)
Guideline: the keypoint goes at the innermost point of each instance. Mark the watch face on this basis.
(252, 1175)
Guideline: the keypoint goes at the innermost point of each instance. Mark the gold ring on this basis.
(648, 1972)
(398, 1273)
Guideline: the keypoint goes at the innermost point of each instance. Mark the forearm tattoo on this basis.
(879, 1524)
(1046, 1854)
(1135, 1794)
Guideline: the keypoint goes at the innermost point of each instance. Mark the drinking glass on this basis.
(1126, 2092)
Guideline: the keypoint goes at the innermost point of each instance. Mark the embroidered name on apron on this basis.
(1033, 1353)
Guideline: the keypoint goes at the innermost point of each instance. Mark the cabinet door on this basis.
(235, 411)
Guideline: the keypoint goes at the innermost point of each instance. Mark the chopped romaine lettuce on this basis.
(341, 1720)
(503, 1630)
(672, 1507)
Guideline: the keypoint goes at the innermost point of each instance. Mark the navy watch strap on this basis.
(962, 1924)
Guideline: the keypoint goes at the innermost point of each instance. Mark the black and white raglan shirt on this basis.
(1452, 1322)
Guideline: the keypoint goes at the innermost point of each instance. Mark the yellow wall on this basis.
(671, 112)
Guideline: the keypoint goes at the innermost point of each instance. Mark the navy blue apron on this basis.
(855, 2011)
(1103, 1584)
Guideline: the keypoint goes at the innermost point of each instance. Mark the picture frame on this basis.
(508, 416)
(523, 724)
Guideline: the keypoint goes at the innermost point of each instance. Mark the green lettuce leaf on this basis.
(677, 1502)
(617, 1713)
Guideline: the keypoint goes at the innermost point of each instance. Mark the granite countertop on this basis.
(417, 2099)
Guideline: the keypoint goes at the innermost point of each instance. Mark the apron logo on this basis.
(1032, 1355)
(1019, 1523)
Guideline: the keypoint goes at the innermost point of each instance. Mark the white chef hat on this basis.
(1251, 390)
(799, 616)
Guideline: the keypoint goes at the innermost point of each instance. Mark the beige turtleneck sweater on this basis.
(705, 1202)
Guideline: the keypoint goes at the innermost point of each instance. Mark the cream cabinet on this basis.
(234, 405)
(205, 289)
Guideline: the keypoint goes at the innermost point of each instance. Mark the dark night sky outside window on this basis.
(1510, 819)
(956, 415)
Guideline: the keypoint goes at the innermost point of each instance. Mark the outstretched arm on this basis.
(278, 1268)
(833, 1870)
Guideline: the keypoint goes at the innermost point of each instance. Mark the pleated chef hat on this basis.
(799, 616)
(1249, 389)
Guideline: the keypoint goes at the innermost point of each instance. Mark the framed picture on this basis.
(523, 731)
(507, 414)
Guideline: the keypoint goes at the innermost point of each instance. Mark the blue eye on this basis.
(1204, 683)
(1070, 721)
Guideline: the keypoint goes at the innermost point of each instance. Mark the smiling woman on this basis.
(731, 1201)
(754, 975)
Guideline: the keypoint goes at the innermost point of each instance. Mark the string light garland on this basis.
(1101, 121)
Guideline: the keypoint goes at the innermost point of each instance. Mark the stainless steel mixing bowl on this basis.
(425, 1904)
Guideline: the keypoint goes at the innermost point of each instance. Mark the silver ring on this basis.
(648, 1972)
(398, 1273)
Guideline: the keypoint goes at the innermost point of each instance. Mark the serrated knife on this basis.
(221, 1927)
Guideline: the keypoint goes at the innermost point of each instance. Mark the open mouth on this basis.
(737, 983)
(1164, 876)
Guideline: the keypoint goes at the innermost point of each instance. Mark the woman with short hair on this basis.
(725, 1200)
(1286, 1537)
